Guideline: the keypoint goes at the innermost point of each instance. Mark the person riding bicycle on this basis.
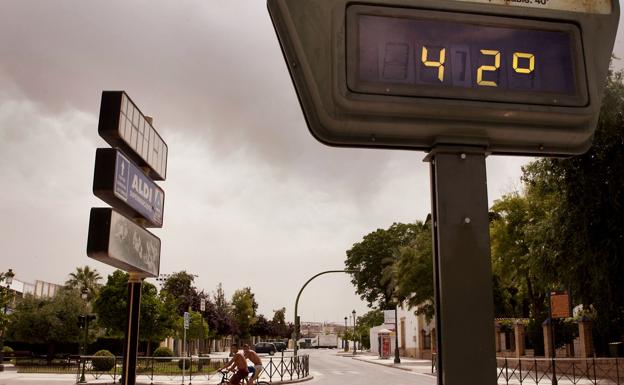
(237, 364)
(255, 359)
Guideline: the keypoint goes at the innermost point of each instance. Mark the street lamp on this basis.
(397, 358)
(345, 342)
(354, 322)
(84, 323)
(8, 277)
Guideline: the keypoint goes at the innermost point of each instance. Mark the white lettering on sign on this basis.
(142, 188)
(603, 7)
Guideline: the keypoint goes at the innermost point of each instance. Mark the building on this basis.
(416, 336)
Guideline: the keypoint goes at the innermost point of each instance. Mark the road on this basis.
(330, 369)
(326, 366)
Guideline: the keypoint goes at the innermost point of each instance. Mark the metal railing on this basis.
(276, 369)
(590, 371)
(596, 371)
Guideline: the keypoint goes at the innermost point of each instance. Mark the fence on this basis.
(542, 371)
(596, 371)
(284, 368)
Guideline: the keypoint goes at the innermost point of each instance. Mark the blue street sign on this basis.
(138, 191)
(123, 185)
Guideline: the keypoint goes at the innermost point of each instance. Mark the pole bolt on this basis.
(467, 220)
(463, 156)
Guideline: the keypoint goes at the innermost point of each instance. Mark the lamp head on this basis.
(9, 277)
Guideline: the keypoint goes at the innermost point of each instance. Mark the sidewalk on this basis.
(409, 364)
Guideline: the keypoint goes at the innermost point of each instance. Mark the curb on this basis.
(379, 363)
(394, 366)
(308, 378)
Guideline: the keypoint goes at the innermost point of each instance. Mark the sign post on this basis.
(202, 309)
(461, 80)
(123, 178)
(559, 306)
(184, 349)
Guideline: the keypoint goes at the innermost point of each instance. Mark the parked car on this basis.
(265, 347)
(280, 346)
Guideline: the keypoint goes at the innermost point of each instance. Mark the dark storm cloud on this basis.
(209, 70)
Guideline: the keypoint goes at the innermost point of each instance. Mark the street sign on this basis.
(560, 305)
(121, 184)
(186, 320)
(511, 77)
(119, 242)
(389, 318)
(123, 125)
(202, 304)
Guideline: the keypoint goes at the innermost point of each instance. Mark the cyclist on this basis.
(257, 362)
(237, 364)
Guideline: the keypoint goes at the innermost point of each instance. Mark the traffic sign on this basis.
(560, 306)
(202, 304)
(187, 320)
(119, 242)
(120, 183)
(511, 77)
(123, 125)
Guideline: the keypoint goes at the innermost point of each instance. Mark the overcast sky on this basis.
(252, 199)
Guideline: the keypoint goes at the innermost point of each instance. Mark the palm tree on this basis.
(84, 278)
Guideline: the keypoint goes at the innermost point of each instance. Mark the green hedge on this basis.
(103, 361)
(165, 352)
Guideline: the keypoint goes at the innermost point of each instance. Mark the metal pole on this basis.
(131, 341)
(353, 332)
(397, 358)
(345, 342)
(296, 332)
(85, 321)
(552, 341)
(462, 266)
(183, 354)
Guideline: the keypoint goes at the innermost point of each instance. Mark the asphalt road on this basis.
(330, 369)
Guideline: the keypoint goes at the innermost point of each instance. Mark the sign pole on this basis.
(132, 333)
(553, 347)
(462, 266)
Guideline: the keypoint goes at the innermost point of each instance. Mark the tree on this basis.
(278, 323)
(365, 323)
(222, 317)
(179, 289)
(518, 258)
(413, 269)
(262, 327)
(157, 319)
(84, 278)
(47, 320)
(5, 297)
(244, 307)
(197, 330)
(587, 217)
(376, 252)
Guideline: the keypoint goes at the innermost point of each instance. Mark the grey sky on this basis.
(252, 199)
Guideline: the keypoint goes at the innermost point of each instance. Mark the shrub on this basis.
(103, 361)
(197, 364)
(5, 350)
(163, 353)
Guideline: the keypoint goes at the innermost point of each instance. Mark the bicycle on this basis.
(225, 379)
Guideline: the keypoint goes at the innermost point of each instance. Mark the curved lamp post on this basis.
(296, 332)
